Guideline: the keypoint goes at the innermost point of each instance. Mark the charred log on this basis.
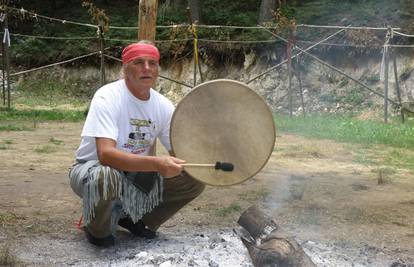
(268, 245)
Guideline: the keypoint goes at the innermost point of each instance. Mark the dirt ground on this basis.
(331, 202)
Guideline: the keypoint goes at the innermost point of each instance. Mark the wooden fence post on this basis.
(3, 72)
(397, 85)
(147, 19)
(386, 64)
(302, 102)
(6, 44)
(289, 67)
(195, 42)
(102, 50)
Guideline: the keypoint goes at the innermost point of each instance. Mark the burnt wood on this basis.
(268, 245)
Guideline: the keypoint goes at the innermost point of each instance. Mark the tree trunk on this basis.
(268, 245)
(147, 19)
(195, 10)
(266, 9)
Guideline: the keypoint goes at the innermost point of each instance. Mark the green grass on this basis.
(374, 143)
(254, 195)
(8, 141)
(55, 141)
(45, 149)
(14, 127)
(226, 211)
(40, 115)
(6, 144)
(348, 129)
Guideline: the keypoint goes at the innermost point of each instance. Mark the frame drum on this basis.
(223, 120)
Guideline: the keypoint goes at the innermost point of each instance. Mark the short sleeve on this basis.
(102, 119)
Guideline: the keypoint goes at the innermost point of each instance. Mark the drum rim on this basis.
(268, 110)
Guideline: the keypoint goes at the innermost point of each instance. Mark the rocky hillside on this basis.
(324, 90)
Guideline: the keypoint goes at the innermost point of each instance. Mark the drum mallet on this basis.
(224, 166)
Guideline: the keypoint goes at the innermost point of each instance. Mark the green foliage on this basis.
(27, 51)
(49, 90)
(373, 78)
(344, 81)
(329, 97)
(406, 71)
(218, 12)
(355, 97)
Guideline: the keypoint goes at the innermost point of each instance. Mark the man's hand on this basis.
(109, 155)
(170, 166)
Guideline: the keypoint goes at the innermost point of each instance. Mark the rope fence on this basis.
(291, 42)
(52, 65)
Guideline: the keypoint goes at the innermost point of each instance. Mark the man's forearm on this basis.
(124, 161)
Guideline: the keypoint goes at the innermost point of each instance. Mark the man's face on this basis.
(142, 72)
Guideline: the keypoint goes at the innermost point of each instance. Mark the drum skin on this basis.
(223, 120)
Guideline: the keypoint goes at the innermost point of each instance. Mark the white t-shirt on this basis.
(134, 124)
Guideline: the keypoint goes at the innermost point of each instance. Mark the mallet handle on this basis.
(198, 165)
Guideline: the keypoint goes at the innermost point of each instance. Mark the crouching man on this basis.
(115, 173)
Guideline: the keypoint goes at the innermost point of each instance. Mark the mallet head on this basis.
(224, 166)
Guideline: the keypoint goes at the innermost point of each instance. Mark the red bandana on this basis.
(137, 50)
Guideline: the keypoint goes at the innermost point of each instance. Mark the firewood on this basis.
(268, 245)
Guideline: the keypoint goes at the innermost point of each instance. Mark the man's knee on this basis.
(198, 188)
(183, 186)
(109, 180)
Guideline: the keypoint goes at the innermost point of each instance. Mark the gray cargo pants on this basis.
(107, 195)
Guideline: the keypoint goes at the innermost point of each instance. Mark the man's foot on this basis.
(137, 229)
(105, 242)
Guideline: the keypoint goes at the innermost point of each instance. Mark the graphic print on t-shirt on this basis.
(141, 136)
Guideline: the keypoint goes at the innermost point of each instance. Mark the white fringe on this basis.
(134, 202)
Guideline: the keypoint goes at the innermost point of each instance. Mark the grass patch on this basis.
(358, 215)
(348, 129)
(226, 211)
(398, 138)
(364, 159)
(41, 115)
(55, 141)
(9, 218)
(5, 144)
(297, 151)
(14, 127)
(254, 195)
(387, 158)
(400, 158)
(7, 258)
(8, 141)
(45, 149)
(311, 215)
